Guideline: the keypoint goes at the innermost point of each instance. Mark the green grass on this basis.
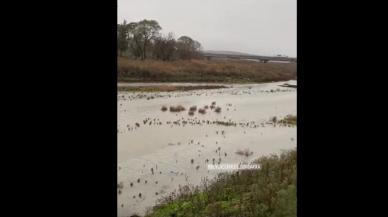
(268, 192)
(225, 71)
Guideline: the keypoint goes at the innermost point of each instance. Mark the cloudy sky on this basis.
(263, 27)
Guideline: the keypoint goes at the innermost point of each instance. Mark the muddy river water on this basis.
(158, 151)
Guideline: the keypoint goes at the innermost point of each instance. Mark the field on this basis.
(230, 71)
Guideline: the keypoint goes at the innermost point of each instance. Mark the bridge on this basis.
(263, 59)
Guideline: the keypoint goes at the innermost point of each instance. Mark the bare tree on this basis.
(139, 37)
(164, 47)
(143, 32)
(187, 48)
(122, 37)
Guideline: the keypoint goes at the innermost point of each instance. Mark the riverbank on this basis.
(167, 88)
(225, 71)
(270, 191)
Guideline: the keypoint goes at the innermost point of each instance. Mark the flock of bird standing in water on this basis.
(195, 121)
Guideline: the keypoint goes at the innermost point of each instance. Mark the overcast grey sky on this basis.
(266, 27)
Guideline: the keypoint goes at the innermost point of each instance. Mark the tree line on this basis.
(143, 39)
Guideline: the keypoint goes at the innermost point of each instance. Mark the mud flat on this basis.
(158, 151)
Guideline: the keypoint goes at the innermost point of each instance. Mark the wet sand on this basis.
(160, 151)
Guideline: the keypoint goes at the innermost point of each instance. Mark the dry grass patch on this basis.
(202, 111)
(193, 108)
(203, 71)
(178, 108)
(289, 120)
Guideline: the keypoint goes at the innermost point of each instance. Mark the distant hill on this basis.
(222, 52)
(241, 55)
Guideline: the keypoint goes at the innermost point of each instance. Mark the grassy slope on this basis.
(203, 71)
(268, 192)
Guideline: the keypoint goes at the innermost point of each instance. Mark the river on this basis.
(160, 151)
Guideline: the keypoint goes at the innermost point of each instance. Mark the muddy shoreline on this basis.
(167, 88)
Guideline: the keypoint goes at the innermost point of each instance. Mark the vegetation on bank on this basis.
(145, 55)
(167, 88)
(288, 120)
(268, 192)
(230, 71)
(143, 40)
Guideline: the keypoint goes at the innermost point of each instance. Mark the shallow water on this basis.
(167, 147)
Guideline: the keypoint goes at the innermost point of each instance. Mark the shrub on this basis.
(193, 108)
(288, 120)
(178, 108)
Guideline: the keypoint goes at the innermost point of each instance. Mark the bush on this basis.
(178, 108)
(193, 108)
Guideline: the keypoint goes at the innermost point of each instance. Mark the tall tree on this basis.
(135, 43)
(143, 32)
(187, 48)
(164, 47)
(122, 37)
